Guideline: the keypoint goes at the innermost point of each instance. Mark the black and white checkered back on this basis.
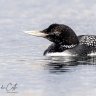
(88, 40)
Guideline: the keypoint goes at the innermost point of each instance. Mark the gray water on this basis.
(21, 59)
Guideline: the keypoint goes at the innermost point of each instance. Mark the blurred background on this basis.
(21, 59)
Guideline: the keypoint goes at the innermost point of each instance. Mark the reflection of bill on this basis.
(10, 88)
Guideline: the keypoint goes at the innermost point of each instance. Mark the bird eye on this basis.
(57, 33)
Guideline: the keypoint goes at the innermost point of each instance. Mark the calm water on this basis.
(21, 59)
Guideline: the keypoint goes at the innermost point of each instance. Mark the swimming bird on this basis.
(66, 42)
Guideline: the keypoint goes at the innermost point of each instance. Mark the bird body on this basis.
(66, 42)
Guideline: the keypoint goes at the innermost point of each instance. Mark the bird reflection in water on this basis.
(65, 64)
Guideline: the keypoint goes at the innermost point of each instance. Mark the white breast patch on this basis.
(65, 53)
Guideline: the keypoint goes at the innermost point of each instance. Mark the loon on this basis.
(66, 42)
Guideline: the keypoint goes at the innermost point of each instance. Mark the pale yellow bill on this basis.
(36, 33)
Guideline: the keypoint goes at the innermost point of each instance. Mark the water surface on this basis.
(21, 59)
